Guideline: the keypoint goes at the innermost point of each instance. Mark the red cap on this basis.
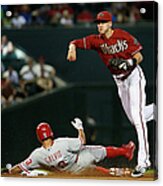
(103, 16)
(44, 131)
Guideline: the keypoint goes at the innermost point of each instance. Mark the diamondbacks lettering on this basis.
(120, 46)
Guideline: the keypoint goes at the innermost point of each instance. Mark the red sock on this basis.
(102, 169)
(115, 151)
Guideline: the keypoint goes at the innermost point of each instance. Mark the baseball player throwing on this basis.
(68, 154)
(121, 54)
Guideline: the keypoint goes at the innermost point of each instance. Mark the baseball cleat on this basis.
(130, 148)
(139, 171)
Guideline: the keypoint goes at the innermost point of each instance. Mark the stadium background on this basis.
(90, 92)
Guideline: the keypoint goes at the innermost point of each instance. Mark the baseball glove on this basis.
(121, 64)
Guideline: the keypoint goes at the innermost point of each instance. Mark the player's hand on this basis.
(71, 56)
(77, 123)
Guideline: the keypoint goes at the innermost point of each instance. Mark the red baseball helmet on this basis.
(44, 131)
(103, 16)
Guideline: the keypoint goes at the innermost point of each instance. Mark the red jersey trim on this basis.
(84, 43)
(140, 48)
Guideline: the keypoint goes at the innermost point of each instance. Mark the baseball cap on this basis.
(103, 16)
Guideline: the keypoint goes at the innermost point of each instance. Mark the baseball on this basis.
(142, 10)
(8, 13)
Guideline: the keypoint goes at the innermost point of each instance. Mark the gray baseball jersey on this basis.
(66, 154)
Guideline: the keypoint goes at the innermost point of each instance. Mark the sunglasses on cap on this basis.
(101, 21)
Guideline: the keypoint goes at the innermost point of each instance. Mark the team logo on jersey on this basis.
(53, 157)
(119, 46)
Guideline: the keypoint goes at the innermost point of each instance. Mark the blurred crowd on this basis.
(68, 15)
(21, 75)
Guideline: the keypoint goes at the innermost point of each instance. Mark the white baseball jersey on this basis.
(66, 154)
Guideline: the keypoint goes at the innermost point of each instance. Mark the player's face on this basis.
(104, 27)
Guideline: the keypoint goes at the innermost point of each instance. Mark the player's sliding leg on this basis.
(126, 151)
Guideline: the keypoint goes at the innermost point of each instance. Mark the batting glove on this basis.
(77, 123)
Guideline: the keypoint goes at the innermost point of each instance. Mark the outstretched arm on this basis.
(78, 124)
(81, 136)
(85, 43)
(15, 169)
